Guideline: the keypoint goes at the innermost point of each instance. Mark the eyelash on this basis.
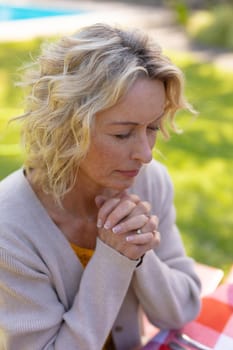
(125, 136)
(155, 128)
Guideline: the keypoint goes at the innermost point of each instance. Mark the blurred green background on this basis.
(199, 160)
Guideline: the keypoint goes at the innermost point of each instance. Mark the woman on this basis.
(80, 225)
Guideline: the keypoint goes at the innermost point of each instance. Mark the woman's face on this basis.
(123, 137)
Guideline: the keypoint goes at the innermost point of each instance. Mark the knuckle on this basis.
(129, 204)
(145, 218)
(121, 210)
(108, 206)
(134, 198)
(145, 206)
(154, 220)
(150, 224)
(156, 237)
(131, 197)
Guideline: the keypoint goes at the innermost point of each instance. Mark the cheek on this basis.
(107, 148)
(101, 155)
(110, 155)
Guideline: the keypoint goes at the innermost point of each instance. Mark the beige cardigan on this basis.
(47, 300)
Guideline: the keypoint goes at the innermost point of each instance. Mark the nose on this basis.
(143, 150)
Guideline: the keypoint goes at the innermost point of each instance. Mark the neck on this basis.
(81, 199)
(79, 202)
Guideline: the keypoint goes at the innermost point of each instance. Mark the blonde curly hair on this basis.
(77, 77)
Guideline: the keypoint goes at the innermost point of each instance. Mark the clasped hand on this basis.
(119, 219)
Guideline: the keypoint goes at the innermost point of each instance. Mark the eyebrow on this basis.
(124, 123)
(134, 123)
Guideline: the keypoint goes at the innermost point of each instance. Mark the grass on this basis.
(199, 160)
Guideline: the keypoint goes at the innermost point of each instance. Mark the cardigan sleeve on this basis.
(166, 285)
(33, 317)
(47, 300)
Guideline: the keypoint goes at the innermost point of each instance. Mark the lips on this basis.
(129, 173)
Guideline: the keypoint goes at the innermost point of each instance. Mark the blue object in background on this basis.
(13, 13)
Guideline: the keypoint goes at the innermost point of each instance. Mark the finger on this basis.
(151, 224)
(130, 224)
(107, 205)
(100, 200)
(142, 239)
(151, 239)
(157, 237)
(121, 211)
(104, 211)
(142, 207)
(133, 197)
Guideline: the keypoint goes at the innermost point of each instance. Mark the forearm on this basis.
(169, 292)
(36, 318)
(166, 283)
(98, 301)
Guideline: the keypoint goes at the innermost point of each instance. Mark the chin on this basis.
(122, 185)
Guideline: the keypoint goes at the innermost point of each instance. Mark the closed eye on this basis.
(154, 128)
(122, 136)
(127, 135)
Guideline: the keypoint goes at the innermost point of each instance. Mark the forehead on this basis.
(144, 102)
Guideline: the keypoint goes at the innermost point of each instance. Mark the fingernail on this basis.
(129, 238)
(116, 229)
(107, 225)
(99, 223)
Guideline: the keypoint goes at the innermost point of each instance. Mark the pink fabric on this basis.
(213, 327)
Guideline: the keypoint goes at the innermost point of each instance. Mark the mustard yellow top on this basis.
(84, 256)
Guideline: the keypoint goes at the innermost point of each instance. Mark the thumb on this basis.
(100, 200)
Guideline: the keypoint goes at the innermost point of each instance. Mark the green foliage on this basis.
(181, 10)
(13, 56)
(214, 28)
(199, 160)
